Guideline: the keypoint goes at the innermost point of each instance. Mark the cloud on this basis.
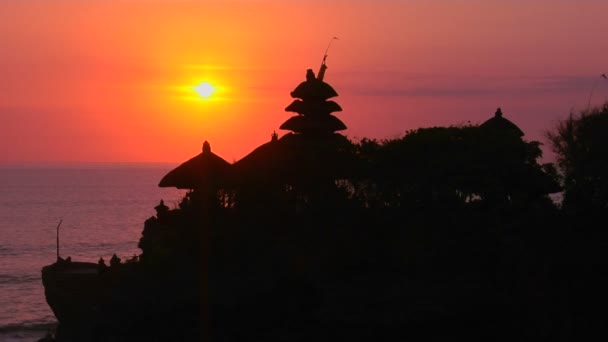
(419, 85)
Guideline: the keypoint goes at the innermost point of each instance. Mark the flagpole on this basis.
(58, 238)
(323, 67)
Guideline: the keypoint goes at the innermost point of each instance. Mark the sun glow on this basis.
(204, 90)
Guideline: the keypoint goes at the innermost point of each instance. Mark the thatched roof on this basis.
(297, 157)
(203, 170)
(313, 89)
(499, 124)
(313, 107)
(324, 123)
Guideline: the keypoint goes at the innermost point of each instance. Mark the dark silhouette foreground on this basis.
(446, 232)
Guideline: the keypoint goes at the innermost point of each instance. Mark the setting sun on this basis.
(204, 90)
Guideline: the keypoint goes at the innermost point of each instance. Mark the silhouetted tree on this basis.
(450, 167)
(581, 145)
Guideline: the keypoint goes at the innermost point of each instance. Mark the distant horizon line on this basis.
(83, 164)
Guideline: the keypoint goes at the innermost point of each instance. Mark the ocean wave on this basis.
(102, 245)
(18, 279)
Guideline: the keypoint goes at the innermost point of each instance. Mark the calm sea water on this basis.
(103, 208)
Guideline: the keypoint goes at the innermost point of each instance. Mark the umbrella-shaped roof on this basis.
(305, 124)
(499, 124)
(313, 107)
(203, 170)
(297, 157)
(313, 89)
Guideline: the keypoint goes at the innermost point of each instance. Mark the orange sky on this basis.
(99, 81)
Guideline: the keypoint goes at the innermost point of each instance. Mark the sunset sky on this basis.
(111, 81)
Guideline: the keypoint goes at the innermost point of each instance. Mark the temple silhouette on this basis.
(314, 237)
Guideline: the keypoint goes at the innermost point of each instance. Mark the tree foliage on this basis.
(455, 166)
(581, 145)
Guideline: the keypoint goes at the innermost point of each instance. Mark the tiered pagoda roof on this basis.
(313, 108)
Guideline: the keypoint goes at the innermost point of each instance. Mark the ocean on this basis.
(102, 207)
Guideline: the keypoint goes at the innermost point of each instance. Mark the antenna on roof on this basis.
(323, 67)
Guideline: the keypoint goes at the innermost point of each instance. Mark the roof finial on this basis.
(310, 75)
(498, 113)
(206, 147)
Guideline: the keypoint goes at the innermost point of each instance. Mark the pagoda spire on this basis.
(313, 107)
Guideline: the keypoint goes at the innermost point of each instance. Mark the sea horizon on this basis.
(103, 207)
(87, 165)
